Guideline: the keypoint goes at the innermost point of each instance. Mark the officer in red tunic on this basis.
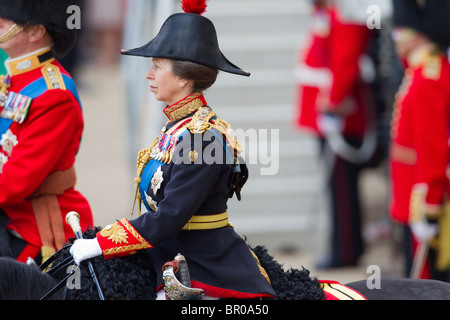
(419, 154)
(187, 174)
(41, 124)
(335, 106)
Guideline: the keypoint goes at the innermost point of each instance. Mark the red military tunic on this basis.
(44, 139)
(420, 136)
(329, 81)
(329, 73)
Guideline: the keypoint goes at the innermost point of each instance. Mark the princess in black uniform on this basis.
(186, 176)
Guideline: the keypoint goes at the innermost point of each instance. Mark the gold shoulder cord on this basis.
(144, 156)
(199, 123)
(224, 128)
(3, 90)
(142, 160)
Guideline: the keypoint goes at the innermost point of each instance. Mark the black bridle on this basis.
(62, 266)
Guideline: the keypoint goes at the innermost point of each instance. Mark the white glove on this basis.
(424, 231)
(330, 124)
(83, 249)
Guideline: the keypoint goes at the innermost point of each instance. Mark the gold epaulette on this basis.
(205, 119)
(201, 121)
(224, 127)
(432, 67)
(53, 77)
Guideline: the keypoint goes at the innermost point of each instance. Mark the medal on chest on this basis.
(150, 161)
(157, 179)
(8, 141)
(15, 105)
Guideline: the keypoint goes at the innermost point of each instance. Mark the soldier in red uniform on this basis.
(335, 106)
(41, 125)
(419, 154)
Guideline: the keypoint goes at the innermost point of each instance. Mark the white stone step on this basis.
(237, 114)
(278, 222)
(259, 78)
(267, 186)
(258, 42)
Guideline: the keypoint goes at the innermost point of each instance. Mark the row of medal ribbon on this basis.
(163, 149)
(16, 107)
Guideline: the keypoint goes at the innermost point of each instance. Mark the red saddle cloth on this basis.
(336, 291)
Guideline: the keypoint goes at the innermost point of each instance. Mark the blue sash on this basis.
(34, 90)
(154, 164)
(148, 173)
(227, 150)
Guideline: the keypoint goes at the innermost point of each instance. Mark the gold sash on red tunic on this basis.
(47, 211)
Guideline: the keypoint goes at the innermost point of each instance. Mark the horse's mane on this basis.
(293, 284)
(126, 278)
(23, 282)
(131, 277)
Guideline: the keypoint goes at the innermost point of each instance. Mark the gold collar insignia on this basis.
(29, 62)
(185, 107)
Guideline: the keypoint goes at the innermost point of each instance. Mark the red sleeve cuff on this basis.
(121, 239)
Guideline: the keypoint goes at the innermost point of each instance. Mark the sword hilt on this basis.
(184, 270)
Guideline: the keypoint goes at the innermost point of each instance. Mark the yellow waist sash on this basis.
(207, 222)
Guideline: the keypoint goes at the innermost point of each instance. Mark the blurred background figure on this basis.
(105, 19)
(339, 103)
(419, 154)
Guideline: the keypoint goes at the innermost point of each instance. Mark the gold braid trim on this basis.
(203, 121)
(15, 29)
(129, 248)
(144, 156)
(224, 127)
(142, 160)
(3, 90)
(184, 107)
(261, 269)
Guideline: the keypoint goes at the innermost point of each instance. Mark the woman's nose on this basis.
(150, 75)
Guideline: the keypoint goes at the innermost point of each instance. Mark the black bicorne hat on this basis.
(50, 13)
(429, 17)
(191, 37)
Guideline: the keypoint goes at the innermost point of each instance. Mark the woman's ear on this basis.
(182, 83)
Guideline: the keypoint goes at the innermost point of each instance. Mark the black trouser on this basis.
(345, 209)
(11, 245)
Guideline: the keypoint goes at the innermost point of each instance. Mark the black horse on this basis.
(133, 278)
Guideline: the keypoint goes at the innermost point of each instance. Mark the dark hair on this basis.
(202, 76)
